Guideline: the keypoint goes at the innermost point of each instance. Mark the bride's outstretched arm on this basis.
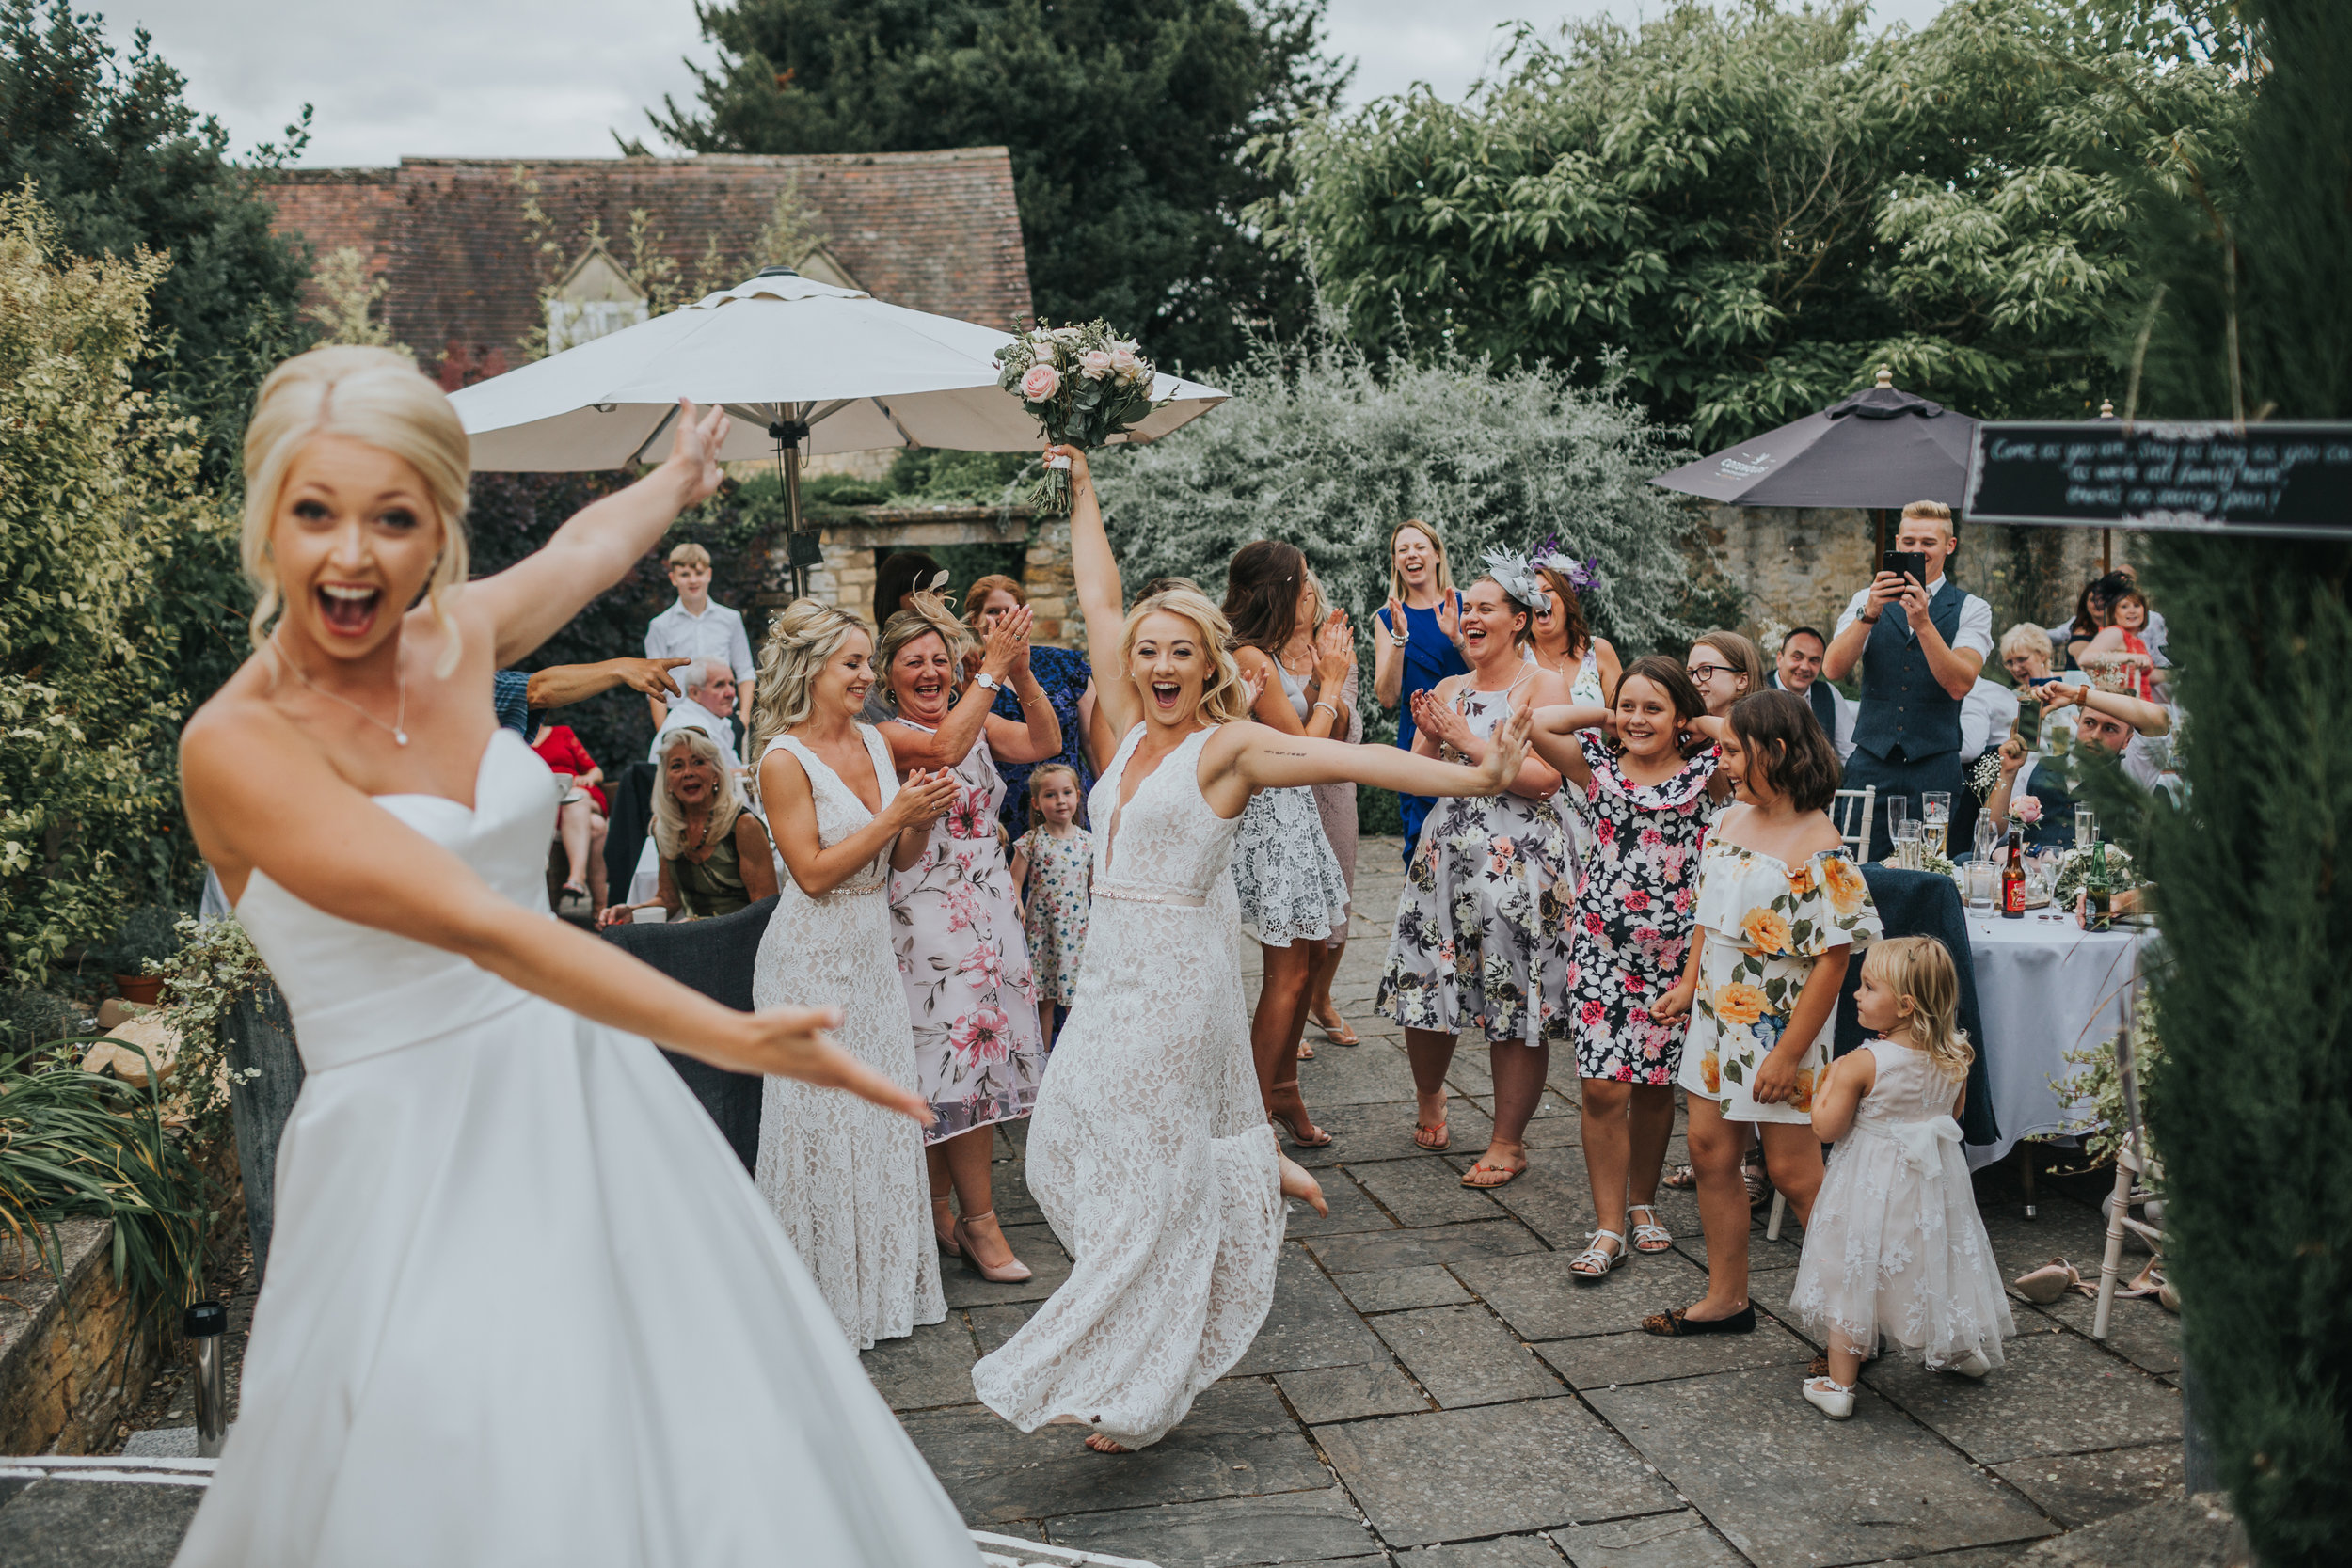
(1261, 758)
(256, 790)
(1101, 596)
(538, 596)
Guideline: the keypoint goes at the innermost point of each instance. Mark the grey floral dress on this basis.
(1479, 925)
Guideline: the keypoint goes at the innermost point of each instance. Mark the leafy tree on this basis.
(1126, 121)
(1756, 207)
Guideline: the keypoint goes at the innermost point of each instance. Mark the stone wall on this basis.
(69, 1368)
(846, 576)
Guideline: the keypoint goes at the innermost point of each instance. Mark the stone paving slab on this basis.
(1607, 1360)
(1464, 1356)
(1328, 1394)
(1238, 1441)
(1372, 1130)
(1504, 1551)
(1459, 1475)
(1309, 1325)
(1442, 1244)
(1034, 1245)
(2138, 1327)
(1401, 1290)
(1554, 1198)
(1791, 1489)
(2083, 1488)
(1661, 1540)
(62, 1524)
(1370, 1073)
(1423, 1192)
(2059, 1393)
(1237, 1533)
(1352, 1208)
(929, 1367)
(992, 1325)
(1541, 1300)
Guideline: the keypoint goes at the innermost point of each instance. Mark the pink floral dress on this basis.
(1630, 932)
(979, 1051)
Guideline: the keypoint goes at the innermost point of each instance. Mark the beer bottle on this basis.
(2098, 889)
(2013, 877)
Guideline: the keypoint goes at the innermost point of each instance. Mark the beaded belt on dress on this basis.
(1152, 895)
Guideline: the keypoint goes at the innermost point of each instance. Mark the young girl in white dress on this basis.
(1896, 1246)
(1149, 1149)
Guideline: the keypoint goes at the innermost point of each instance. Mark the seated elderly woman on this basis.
(713, 854)
(2110, 721)
(2027, 654)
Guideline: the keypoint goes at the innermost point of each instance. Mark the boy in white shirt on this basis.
(694, 628)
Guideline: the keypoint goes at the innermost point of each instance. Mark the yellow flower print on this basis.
(1802, 1098)
(1847, 890)
(1766, 929)
(1738, 1003)
(1711, 1072)
(1800, 882)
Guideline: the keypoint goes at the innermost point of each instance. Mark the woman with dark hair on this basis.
(1477, 942)
(1781, 909)
(1293, 896)
(1561, 640)
(1062, 674)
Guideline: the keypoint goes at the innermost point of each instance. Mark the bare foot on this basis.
(1101, 1443)
(1297, 1184)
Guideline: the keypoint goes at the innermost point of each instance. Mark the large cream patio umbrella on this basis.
(800, 367)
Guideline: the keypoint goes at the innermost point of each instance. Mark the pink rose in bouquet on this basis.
(2028, 811)
(1039, 382)
(1084, 384)
(1095, 365)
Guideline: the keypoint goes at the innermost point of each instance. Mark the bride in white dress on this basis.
(524, 1304)
(1149, 1149)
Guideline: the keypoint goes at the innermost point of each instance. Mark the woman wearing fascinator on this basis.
(1561, 640)
(1478, 941)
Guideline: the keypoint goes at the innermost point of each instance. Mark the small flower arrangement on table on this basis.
(2075, 865)
(1084, 384)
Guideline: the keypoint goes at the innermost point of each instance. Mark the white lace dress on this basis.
(1288, 880)
(1148, 1150)
(1896, 1246)
(846, 1177)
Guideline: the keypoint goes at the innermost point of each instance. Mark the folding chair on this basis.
(2129, 1164)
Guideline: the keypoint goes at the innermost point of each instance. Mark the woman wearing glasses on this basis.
(1726, 667)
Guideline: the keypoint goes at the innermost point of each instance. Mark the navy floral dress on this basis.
(1630, 932)
(1063, 672)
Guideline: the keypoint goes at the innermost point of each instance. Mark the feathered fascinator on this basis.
(1583, 575)
(1516, 577)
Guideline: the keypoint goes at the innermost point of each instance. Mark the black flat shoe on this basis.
(1675, 1323)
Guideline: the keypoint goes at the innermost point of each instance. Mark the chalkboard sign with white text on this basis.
(2294, 479)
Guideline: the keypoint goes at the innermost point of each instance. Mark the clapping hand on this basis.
(1253, 683)
(1007, 646)
(1335, 652)
(1449, 617)
(923, 799)
(1397, 624)
(1439, 722)
(1506, 752)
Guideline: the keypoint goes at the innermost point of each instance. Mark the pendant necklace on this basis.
(398, 729)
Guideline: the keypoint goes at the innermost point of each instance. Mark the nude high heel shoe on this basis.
(960, 1239)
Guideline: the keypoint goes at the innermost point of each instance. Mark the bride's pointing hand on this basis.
(790, 1042)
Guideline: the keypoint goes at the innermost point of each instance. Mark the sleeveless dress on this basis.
(1896, 1246)
(1062, 875)
(847, 1177)
(714, 887)
(1336, 802)
(1149, 1149)
(1478, 941)
(524, 1304)
(1429, 656)
(1284, 873)
(979, 1048)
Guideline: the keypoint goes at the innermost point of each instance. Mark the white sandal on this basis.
(1593, 1264)
(1649, 1236)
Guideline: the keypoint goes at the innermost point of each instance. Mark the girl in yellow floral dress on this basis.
(1781, 909)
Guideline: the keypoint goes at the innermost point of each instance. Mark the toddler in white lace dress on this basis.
(1895, 1245)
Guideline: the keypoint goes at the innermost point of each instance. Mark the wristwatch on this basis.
(984, 678)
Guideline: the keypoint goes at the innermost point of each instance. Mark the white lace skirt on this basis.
(1288, 880)
(1895, 1252)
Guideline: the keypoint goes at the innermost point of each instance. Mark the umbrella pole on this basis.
(789, 430)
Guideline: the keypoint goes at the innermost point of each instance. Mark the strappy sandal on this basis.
(1436, 1139)
(1675, 1323)
(1305, 1052)
(1299, 1140)
(1508, 1175)
(1682, 1179)
(1593, 1264)
(1648, 1235)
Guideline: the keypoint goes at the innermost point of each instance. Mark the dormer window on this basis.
(594, 297)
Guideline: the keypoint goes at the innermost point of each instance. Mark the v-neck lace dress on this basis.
(1148, 1150)
(846, 1177)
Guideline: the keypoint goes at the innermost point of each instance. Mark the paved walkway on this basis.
(1432, 1390)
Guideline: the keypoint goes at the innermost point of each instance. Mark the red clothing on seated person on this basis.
(560, 749)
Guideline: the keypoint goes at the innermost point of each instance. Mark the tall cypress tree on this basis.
(2254, 1117)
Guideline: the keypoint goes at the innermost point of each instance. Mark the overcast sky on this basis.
(554, 78)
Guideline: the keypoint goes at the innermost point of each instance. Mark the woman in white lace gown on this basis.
(524, 1304)
(848, 1184)
(1148, 1150)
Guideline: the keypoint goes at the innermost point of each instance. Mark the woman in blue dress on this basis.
(1069, 683)
(1416, 642)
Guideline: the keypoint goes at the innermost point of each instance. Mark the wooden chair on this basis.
(1842, 812)
(2129, 1163)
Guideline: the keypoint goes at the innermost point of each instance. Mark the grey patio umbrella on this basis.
(1880, 449)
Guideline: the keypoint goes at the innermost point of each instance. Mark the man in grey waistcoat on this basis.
(1920, 645)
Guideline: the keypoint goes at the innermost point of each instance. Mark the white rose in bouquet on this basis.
(1085, 384)
(1095, 365)
(1126, 363)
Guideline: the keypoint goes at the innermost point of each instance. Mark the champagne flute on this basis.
(1936, 820)
(2086, 827)
(1898, 810)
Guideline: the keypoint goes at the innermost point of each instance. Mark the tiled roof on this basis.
(935, 231)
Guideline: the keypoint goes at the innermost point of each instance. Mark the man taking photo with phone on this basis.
(1920, 643)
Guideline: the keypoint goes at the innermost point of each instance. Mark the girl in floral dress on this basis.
(1630, 932)
(1781, 910)
(978, 1052)
(1053, 870)
(1475, 943)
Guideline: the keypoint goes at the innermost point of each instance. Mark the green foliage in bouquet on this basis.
(2250, 1108)
(1083, 385)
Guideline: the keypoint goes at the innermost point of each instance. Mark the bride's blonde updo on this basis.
(924, 613)
(372, 395)
(801, 643)
(1224, 698)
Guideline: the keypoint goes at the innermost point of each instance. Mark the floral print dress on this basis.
(1629, 933)
(1766, 924)
(1485, 892)
(979, 1048)
(1061, 882)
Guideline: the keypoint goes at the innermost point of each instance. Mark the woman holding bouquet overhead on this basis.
(1149, 1149)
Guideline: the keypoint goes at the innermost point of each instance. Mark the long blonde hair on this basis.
(372, 395)
(1445, 566)
(1920, 967)
(669, 817)
(1224, 698)
(925, 613)
(800, 641)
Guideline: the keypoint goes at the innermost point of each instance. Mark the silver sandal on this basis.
(1593, 1264)
(1649, 1236)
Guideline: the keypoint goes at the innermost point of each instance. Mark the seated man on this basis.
(2110, 721)
(708, 704)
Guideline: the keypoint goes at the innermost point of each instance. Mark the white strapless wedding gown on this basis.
(1149, 1149)
(524, 1304)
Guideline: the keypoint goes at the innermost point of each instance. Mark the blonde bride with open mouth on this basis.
(1149, 1148)
(524, 1306)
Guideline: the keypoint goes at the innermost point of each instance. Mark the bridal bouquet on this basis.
(1083, 385)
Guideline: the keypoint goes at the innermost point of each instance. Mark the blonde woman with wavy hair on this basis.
(385, 844)
(847, 1183)
(1149, 1148)
(713, 854)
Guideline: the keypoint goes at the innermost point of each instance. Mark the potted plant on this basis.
(148, 933)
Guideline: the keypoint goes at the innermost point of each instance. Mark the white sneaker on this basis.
(1971, 1365)
(1832, 1398)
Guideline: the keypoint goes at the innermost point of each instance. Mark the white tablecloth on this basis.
(2043, 988)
